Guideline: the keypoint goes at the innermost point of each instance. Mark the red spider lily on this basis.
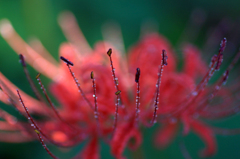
(102, 102)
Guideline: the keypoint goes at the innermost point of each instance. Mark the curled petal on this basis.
(21, 47)
(166, 135)
(121, 137)
(136, 135)
(206, 133)
(10, 89)
(91, 150)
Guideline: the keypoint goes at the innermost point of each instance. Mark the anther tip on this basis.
(109, 52)
(118, 92)
(137, 75)
(22, 61)
(92, 75)
(164, 57)
(66, 61)
(38, 75)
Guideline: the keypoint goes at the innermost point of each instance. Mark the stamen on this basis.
(76, 81)
(160, 71)
(216, 60)
(47, 97)
(116, 112)
(96, 113)
(137, 97)
(115, 79)
(221, 82)
(118, 93)
(220, 55)
(216, 90)
(32, 85)
(219, 62)
(51, 103)
(94, 96)
(36, 128)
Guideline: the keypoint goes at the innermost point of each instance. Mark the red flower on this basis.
(102, 102)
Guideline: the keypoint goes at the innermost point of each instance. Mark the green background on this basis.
(38, 18)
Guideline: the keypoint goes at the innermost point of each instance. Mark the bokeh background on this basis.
(38, 18)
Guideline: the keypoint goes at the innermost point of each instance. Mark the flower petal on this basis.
(166, 134)
(10, 89)
(91, 150)
(123, 134)
(21, 47)
(193, 64)
(206, 133)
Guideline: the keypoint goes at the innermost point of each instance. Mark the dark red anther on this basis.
(137, 75)
(109, 52)
(38, 75)
(92, 75)
(22, 61)
(66, 61)
(164, 57)
(222, 45)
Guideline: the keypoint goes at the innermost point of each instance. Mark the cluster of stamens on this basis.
(215, 64)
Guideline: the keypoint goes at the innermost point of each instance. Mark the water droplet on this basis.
(173, 120)
(194, 93)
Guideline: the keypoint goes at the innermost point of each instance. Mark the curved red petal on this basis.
(91, 150)
(193, 64)
(121, 137)
(166, 135)
(206, 133)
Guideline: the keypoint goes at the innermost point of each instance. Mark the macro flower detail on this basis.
(110, 96)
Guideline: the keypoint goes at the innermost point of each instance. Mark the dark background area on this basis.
(38, 18)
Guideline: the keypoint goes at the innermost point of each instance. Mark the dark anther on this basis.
(22, 61)
(92, 75)
(38, 75)
(118, 92)
(66, 61)
(109, 52)
(137, 75)
(164, 57)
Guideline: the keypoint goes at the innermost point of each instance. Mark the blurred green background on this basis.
(38, 18)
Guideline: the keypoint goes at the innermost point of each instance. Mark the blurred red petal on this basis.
(206, 133)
